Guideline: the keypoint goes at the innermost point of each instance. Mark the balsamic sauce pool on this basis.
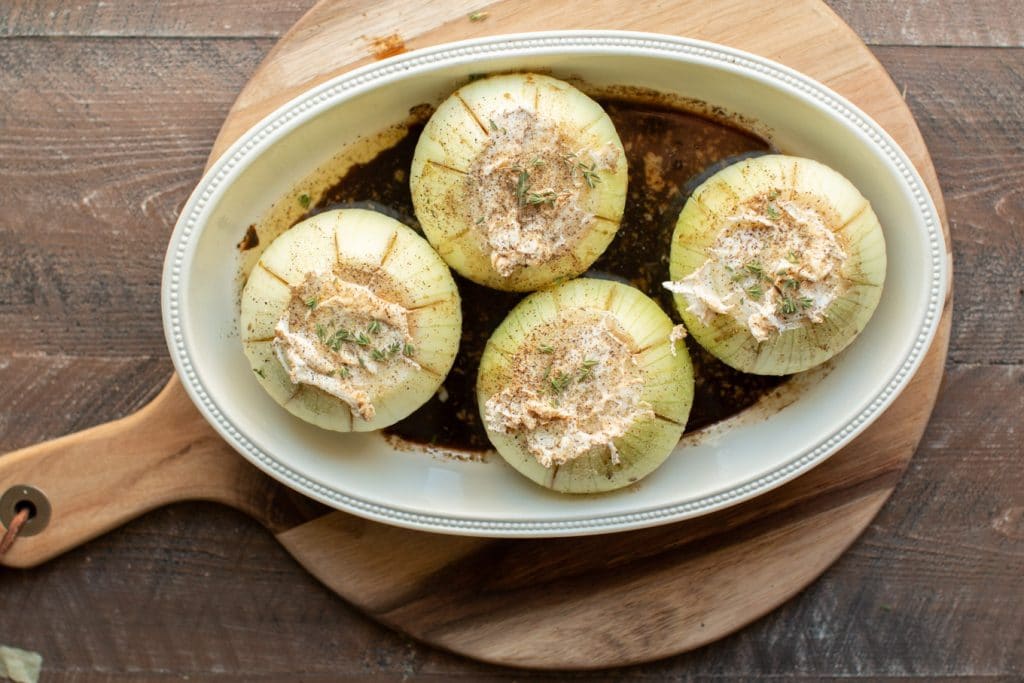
(670, 151)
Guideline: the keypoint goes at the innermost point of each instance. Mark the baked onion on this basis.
(350, 320)
(519, 180)
(777, 263)
(584, 387)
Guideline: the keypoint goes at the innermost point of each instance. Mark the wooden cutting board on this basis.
(558, 603)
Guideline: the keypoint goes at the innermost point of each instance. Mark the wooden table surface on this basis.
(107, 112)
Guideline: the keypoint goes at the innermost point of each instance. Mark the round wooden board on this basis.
(558, 604)
(612, 600)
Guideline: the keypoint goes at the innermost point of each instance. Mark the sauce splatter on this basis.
(251, 239)
(387, 46)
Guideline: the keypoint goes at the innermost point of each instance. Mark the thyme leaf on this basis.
(588, 369)
(559, 382)
(522, 185)
(788, 306)
(545, 197)
(590, 174)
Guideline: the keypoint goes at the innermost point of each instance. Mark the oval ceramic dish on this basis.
(734, 461)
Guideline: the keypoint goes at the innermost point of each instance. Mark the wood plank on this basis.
(96, 158)
(977, 23)
(983, 23)
(968, 106)
(167, 18)
(914, 578)
(43, 396)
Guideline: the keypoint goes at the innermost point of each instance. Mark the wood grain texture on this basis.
(168, 18)
(929, 591)
(989, 23)
(868, 617)
(973, 118)
(98, 479)
(97, 156)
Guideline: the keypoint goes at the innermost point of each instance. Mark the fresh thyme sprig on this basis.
(559, 382)
(545, 197)
(587, 370)
(340, 336)
(590, 174)
(522, 186)
(527, 198)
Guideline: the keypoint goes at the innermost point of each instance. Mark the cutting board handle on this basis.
(92, 481)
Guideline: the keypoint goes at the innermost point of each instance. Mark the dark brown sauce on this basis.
(670, 152)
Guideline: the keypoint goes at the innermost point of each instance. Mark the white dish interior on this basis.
(363, 474)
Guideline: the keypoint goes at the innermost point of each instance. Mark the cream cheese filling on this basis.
(575, 395)
(340, 337)
(773, 268)
(527, 189)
